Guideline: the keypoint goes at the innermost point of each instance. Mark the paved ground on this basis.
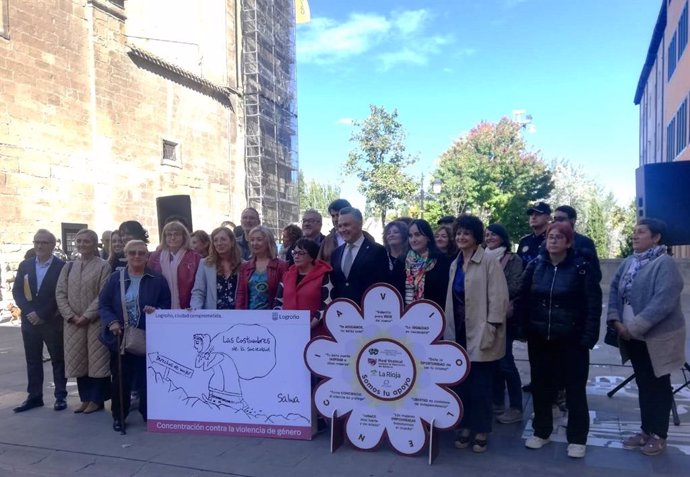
(43, 442)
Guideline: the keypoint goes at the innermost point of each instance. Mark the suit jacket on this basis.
(43, 301)
(369, 267)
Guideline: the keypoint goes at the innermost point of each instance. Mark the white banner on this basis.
(229, 372)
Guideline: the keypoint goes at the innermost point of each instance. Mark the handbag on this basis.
(133, 339)
(611, 337)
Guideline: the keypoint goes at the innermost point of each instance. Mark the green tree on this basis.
(314, 195)
(491, 174)
(379, 160)
(625, 219)
(597, 228)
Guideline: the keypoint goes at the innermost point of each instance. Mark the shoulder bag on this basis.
(133, 339)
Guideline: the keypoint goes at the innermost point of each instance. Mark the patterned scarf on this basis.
(169, 264)
(416, 267)
(639, 260)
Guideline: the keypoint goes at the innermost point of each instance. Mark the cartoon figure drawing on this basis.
(224, 387)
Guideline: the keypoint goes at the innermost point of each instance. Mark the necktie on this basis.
(347, 262)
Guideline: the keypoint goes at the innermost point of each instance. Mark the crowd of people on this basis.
(91, 311)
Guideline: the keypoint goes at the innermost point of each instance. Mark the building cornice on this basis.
(109, 8)
(222, 92)
(657, 36)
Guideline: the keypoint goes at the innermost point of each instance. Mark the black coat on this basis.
(43, 301)
(435, 280)
(370, 266)
(561, 302)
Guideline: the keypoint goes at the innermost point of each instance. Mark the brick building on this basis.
(106, 105)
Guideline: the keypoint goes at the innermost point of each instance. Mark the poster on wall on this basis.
(387, 371)
(228, 372)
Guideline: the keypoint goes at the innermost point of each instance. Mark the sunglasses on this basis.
(298, 253)
(137, 253)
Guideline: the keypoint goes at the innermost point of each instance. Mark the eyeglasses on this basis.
(298, 253)
(42, 242)
(173, 234)
(137, 253)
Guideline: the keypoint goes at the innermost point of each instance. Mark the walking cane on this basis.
(119, 383)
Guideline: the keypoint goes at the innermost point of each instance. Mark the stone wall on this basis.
(83, 119)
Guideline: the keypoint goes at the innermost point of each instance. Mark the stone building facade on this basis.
(106, 105)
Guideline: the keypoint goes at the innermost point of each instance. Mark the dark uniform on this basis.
(529, 246)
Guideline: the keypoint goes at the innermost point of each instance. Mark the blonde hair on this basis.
(268, 236)
(177, 227)
(92, 235)
(235, 254)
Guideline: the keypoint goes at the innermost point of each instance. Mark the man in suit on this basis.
(311, 226)
(359, 262)
(34, 292)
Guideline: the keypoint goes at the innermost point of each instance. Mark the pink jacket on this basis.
(186, 272)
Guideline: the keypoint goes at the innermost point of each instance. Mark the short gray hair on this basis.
(47, 232)
(354, 212)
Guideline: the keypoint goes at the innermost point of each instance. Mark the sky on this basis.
(447, 65)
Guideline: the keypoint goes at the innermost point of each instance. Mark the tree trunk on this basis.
(383, 218)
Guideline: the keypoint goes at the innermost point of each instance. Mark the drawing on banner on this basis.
(387, 370)
(209, 370)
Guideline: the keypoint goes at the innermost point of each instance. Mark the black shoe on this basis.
(117, 425)
(29, 404)
(60, 404)
(527, 388)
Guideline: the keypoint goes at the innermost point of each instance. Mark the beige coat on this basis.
(76, 295)
(486, 303)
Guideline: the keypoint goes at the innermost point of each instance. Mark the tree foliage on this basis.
(379, 160)
(314, 195)
(491, 174)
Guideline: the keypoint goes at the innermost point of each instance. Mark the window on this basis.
(5, 19)
(171, 154)
(69, 234)
(681, 127)
(671, 140)
(672, 59)
(683, 31)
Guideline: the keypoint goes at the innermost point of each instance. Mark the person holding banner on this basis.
(259, 278)
(306, 285)
(476, 306)
(123, 303)
(215, 284)
(177, 263)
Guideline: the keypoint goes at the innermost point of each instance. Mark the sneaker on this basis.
(577, 451)
(654, 446)
(510, 416)
(636, 441)
(462, 439)
(535, 442)
(479, 446)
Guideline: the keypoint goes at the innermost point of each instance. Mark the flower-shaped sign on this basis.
(387, 370)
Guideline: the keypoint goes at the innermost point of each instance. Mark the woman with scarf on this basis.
(177, 263)
(476, 305)
(498, 245)
(426, 269)
(644, 308)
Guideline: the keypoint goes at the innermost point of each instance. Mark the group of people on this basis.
(548, 293)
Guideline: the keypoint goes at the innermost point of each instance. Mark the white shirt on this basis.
(41, 270)
(355, 249)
